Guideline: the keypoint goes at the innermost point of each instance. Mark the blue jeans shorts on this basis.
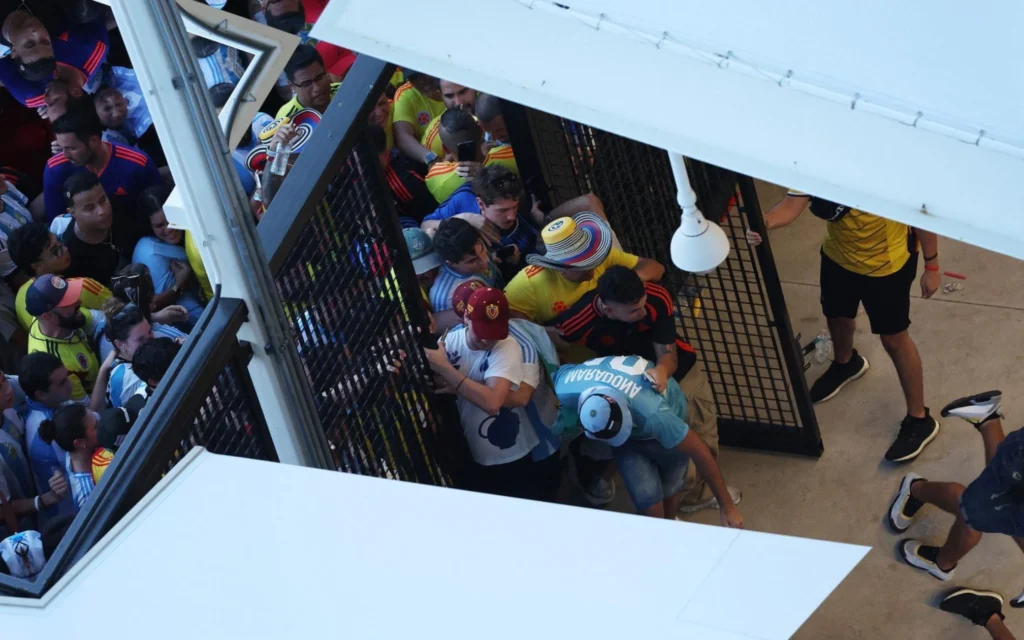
(650, 472)
(994, 502)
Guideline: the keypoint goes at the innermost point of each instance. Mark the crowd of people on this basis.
(557, 344)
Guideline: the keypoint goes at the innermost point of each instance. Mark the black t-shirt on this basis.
(97, 261)
(582, 324)
(412, 198)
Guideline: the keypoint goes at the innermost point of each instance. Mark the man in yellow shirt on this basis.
(311, 84)
(60, 329)
(36, 250)
(454, 96)
(868, 259)
(457, 127)
(417, 102)
(579, 251)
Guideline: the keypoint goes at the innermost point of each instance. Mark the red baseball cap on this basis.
(462, 292)
(487, 309)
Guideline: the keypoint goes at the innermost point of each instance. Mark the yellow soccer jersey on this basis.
(442, 180)
(196, 262)
(864, 243)
(74, 352)
(415, 108)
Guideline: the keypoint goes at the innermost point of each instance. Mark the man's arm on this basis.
(520, 397)
(701, 456)
(666, 366)
(490, 397)
(931, 278)
(780, 215)
(408, 143)
(649, 270)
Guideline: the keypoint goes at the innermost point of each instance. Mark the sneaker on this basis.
(904, 506)
(838, 376)
(976, 606)
(914, 436)
(975, 409)
(712, 502)
(598, 491)
(923, 557)
(1018, 602)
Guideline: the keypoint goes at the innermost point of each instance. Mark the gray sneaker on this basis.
(975, 409)
(710, 503)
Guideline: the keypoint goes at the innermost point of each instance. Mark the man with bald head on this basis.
(41, 52)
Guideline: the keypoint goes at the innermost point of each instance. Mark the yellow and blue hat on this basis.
(579, 243)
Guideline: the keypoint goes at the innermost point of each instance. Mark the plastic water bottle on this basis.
(823, 350)
(280, 164)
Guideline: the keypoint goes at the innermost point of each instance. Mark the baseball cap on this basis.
(49, 292)
(114, 424)
(23, 554)
(488, 310)
(462, 293)
(421, 250)
(604, 414)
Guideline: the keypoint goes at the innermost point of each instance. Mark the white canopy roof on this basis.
(231, 548)
(913, 110)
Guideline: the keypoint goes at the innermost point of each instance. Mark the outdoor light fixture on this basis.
(698, 246)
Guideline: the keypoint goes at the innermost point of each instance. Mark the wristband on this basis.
(38, 503)
(930, 258)
(460, 383)
(929, 267)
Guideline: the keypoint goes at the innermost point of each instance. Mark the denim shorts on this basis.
(650, 472)
(994, 502)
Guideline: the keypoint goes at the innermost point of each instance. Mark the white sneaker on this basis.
(1018, 602)
(923, 557)
(975, 409)
(711, 503)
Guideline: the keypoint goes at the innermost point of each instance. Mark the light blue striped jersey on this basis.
(539, 360)
(81, 483)
(658, 416)
(448, 279)
(123, 384)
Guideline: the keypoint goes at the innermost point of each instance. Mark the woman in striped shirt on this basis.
(74, 428)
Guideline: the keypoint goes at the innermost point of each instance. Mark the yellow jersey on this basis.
(195, 261)
(432, 137)
(541, 294)
(866, 244)
(415, 108)
(442, 181)
(397, 78)
(94, 295)
(75, 353)
(293, 106)
(101, 459)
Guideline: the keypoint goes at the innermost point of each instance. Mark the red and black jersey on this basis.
(582, 324)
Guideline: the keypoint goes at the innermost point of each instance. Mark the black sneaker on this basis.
(914, 436)
(838, 376)
(976, 606)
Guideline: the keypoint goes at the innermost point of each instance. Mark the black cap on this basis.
(116, 423)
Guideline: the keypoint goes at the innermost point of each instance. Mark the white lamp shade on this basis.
(698, 246)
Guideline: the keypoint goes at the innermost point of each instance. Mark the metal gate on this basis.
(341, 266)
(736, 317)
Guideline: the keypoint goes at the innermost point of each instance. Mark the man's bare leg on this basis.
(841, 331)
(905, 357)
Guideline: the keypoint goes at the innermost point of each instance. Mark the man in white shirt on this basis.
(483, 367)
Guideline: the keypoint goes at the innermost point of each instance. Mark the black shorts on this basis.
(886, 298)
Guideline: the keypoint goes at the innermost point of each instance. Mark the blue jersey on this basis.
(656, 416)
(448, 279)
(127, 173)
(524, 235)
(82, 47)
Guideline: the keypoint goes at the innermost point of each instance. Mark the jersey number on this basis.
(628, 365)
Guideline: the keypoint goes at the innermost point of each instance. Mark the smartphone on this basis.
(467, 151)
(506, 252)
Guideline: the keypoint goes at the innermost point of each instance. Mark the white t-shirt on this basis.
(493, 439)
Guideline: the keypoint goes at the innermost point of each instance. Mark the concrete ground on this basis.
(970, 341)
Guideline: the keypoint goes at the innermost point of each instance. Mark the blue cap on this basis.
(421, 250)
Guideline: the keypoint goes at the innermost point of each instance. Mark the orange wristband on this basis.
(930, 267)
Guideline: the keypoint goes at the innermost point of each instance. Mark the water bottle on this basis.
(823, 350)
(280, 164)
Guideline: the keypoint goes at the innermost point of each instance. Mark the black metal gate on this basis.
(735, 317)
(348, 287)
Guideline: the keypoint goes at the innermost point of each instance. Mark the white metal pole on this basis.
(698, 246)
(218, 217)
